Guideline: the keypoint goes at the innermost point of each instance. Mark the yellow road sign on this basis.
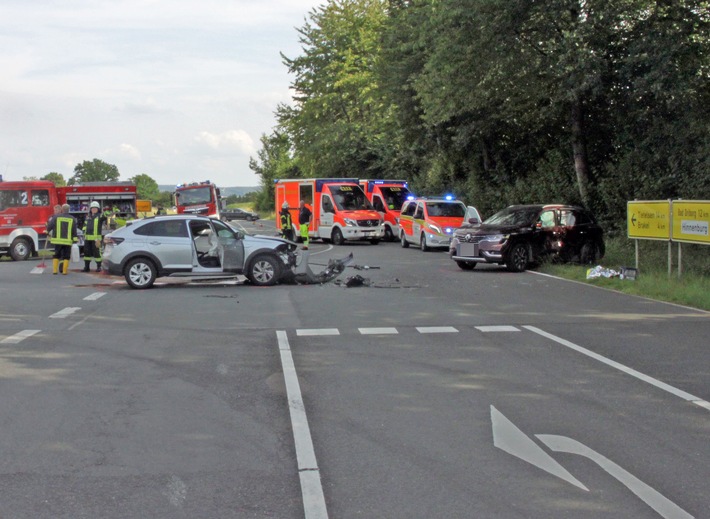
(144, 206)
(691, 221)
(649, 220)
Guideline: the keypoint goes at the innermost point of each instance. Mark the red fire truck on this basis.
(387, 197)
(25, 208)
(203, 198)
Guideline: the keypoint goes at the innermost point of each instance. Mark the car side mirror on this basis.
(473, 221)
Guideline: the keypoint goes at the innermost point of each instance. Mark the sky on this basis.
(181, 90)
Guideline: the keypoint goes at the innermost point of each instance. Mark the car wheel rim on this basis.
(263, 271)
(140, 274)
(21, 249)
(520, 259)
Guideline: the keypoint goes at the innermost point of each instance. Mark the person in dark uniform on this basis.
(286, 222)
(304, 221)
(63, 230)
(92, 236)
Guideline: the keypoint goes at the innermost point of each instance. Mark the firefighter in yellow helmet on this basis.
(63, 229)
(92, 236)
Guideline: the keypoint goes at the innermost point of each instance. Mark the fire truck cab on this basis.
(200, 198)
(341, 211)
(387, 197)
(25, 208)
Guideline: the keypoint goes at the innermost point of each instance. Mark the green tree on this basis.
(94, 171)
(146, 187)
(274, 160)
(55, 177)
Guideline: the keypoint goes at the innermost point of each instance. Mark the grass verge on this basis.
(691, 289)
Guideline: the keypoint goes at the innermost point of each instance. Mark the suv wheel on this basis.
(466, 265)
(140, 273)
(20, 249)
(337, 237)
(403, 240)
(588, 253)
(517, 260)
(422, 243)
(264, 270)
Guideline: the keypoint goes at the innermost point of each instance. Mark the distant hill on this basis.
(226, 191)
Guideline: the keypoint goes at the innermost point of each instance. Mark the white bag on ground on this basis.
(75, 256)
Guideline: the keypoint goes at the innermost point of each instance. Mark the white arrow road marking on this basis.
(660, 504)
(63, 314)
(507, 437)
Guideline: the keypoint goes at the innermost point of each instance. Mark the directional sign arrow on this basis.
(633, 219)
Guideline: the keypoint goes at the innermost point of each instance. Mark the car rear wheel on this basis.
(20, 249)
(518, 258)
(264, 270)
(337, 237)
(422, 243)
(403, 240)
(140, 273)
(588, 253)
(466, 265)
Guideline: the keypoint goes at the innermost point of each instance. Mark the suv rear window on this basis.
(170, 228)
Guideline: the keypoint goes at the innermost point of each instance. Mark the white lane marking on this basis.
(437, 329)
(95, 296)
(63, 314)
(177, 491)
(19, 337)
(308, 471)
(378, 331)
(487, 329)
(648, 495)
(507, 437)
(629, 371)
(317, 332)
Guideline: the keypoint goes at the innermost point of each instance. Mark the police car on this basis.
(431, 222)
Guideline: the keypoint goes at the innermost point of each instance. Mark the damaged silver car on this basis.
(195, 247)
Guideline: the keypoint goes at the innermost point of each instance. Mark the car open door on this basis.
(230, 247)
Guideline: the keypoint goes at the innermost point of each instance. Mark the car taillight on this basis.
(113, 241)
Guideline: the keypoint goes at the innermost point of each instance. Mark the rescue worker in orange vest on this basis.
(92, 236)
(63, 230)
(286, 222)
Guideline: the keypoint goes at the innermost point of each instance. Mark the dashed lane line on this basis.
(496, 329)
(311, 332)
(66, 312)
(94, 296)
(19, 337)
(378, 331)
(437, 329)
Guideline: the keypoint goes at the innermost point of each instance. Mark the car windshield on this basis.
(350, 198)
(514, 216)
(198, 195)
(395, 196)
(446, 209)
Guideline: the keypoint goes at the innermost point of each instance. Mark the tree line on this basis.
(591, 102)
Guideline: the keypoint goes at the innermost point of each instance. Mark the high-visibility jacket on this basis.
(285, 219)
(63, 229)
(93, 225)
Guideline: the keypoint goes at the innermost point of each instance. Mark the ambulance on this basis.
(430, 222)
(387, 197)
(341, 211)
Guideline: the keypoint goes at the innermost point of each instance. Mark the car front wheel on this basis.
(517, 260)
(337, 237)
(422, 244)
(140, 273)
(403, 240)
(264, 270)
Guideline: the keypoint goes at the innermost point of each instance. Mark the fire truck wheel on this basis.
(20, 249)
(264, 270)
(337, 237)
(140, 273)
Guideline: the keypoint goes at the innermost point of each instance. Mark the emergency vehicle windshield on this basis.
(193, 196)
(394, 197)
(447, 209)
(350, 198)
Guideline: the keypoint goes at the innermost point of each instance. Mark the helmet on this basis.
(284, 205)
(94, 204)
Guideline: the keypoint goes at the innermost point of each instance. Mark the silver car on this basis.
(195, 247)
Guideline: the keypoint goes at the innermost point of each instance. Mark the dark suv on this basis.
(523, 234)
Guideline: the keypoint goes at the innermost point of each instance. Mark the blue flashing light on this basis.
(411, 197)
(449, 197)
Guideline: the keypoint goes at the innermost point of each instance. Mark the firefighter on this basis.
(92, 236)
(304, 221)
(286, 223)
(63, 230)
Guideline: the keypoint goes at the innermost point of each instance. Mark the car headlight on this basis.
(496, 237)
(435, 228)
(350, 222)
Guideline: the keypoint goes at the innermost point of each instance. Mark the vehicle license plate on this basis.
(468, 249)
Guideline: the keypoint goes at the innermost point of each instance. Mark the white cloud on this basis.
(229, 141)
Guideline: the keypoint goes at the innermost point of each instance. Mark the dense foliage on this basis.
(502, 101)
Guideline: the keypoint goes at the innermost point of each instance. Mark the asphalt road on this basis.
(432, 392)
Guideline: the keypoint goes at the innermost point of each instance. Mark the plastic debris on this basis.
(601, 272)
